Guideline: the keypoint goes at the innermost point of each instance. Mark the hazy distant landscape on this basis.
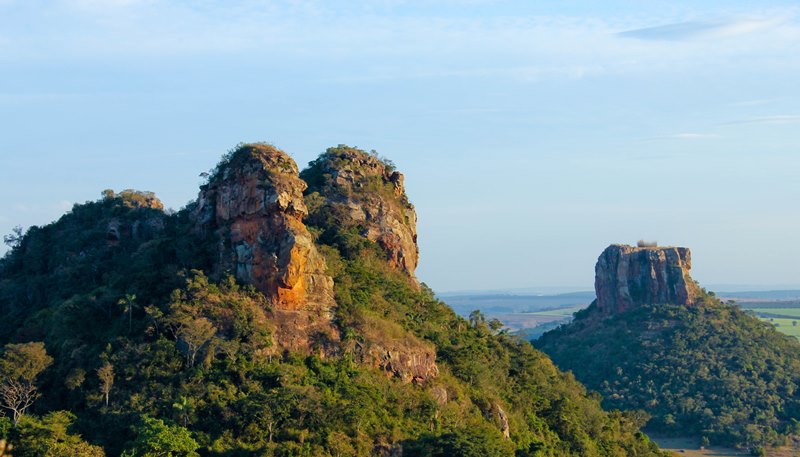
(530, 315)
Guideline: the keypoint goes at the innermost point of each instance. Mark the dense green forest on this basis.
(709, 370)
(120, 338)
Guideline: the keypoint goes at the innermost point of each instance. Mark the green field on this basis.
(794, 312)
(785, 325)
(559, 311)
(689, 447)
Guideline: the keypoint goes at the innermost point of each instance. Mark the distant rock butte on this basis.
(254, 205)
(366, 192)
(627, 277)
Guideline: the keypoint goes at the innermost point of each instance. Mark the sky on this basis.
(532, 134)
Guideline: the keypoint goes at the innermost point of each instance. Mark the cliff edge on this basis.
(627, 277)
(253, 205)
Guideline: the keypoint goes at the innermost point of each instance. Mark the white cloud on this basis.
(704, 29)
(385, 46)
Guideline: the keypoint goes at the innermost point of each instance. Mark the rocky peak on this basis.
(253, 205)
(364, 191)
(137, 215)
(627, 276)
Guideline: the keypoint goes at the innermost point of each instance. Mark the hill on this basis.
(277, 315)
(654, 340)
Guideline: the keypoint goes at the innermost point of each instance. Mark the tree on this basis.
(49, 436)
(128, 302)
(183, 408)
(154, 438)
(20, 365)
(106, 375)
(14, 238)
(75, 378)
(476, 318)
(495, 325)
(195, 332)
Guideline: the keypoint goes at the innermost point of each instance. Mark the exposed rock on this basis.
(388, 450)
(439, 393)
(360, 190)
(304, 332)
(142, 219)
(253, 206)
(399, 353)
(627, 276)
(410, 363)
(502, 418)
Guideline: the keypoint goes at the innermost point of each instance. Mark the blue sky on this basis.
(532, 134)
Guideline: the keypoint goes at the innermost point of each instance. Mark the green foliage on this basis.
(20, 366)
(472, 442)
(49, 436)
(195, 368)
(709, 370)
(24, 362)
(155, 438)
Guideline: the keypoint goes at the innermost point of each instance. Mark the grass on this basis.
(785, 325)
(689, 447)
(782, 318)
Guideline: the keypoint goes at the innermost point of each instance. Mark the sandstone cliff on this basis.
(253, 207)
(357, 190)
(627, 276)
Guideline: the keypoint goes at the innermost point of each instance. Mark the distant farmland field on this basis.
(783, 314)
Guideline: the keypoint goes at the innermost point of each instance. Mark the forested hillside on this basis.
(268, 319)
(707, 370)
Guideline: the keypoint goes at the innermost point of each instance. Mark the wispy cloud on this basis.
(702, 29)
(360, 43)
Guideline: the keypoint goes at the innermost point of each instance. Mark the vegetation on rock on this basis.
(708, 370)
(156, 351)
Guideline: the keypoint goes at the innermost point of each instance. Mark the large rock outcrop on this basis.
(253, 207)
(358, 190)
(627, 276)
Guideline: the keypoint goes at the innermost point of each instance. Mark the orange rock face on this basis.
(254, 205)
(627, 276)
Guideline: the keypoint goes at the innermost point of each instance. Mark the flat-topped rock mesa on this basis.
(358, 190)
(253, 205)
(627, 277)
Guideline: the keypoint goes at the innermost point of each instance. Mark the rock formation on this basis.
(627, 276)
(361, 191)
(253, 207)
(388, 346)
(414, 362)
(142, 218)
